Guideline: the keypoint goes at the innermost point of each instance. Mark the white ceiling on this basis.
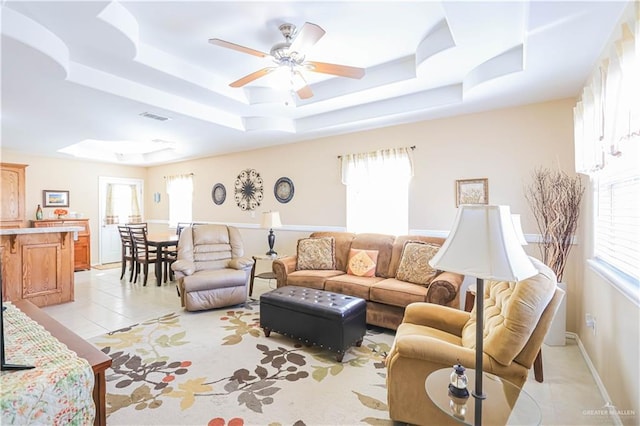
(75, 71)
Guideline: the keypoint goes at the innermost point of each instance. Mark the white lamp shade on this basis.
(517, 226)
(483, 244)
(271, 220)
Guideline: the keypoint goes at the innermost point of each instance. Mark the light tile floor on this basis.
(103, 303)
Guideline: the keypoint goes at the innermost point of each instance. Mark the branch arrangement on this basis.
(555, 199)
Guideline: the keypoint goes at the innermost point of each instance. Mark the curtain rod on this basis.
(412, 148)
(190, 174)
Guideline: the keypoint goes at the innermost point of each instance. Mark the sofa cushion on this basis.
(397, 293)
(316, 253)
(511, 313)
(398, 246)
(351, 285)
(311, 278)
(342, 246)
(214, 279)
(414, 264)
(362, 263)
(382, 243)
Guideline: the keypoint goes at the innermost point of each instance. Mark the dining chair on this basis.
(127, 251)
(143, 255)
(142, 225)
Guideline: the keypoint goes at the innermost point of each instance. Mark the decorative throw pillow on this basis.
(316, 253)
(414, 263)
(362, 263)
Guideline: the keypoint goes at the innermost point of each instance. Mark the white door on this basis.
(121, 190)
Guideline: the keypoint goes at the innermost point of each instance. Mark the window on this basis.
(180, 192)
(378, 190)
(122, 204)
(617, 221)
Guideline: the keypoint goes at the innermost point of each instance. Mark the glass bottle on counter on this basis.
(39, 213)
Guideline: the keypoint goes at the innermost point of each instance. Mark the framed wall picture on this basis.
(55, 198)
(472, 191)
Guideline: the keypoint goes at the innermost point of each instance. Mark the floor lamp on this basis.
(483, 244)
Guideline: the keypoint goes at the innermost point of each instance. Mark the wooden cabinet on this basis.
(82, 246)
(12, 191)
(37, 265)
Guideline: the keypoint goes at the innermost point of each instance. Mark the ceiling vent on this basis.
(154, 116)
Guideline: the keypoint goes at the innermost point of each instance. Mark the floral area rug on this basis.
(217, 368)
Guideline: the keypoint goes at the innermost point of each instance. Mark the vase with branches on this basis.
(555, 198)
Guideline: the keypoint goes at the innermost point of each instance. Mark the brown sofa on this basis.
(386, 296)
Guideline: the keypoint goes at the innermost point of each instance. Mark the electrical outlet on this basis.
(590, 322)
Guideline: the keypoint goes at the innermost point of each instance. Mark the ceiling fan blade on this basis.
(305, 92)
(339, 70)
(300, 85)
(308, 35)
(237, 47)
(253, 76)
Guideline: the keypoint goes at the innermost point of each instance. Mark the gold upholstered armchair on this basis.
(516, 318)
(211, 269)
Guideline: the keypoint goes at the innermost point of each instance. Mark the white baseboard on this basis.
(603, 390)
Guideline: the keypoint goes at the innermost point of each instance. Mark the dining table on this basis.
(162, 242)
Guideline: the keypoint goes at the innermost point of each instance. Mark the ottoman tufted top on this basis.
(315, 302)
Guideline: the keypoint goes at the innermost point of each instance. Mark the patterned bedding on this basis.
(58, 391)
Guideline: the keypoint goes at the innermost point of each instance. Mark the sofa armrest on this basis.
(444, 288)
(241, 263)
(183, 267)
(436, 351)
(441, 317)
(283, 267)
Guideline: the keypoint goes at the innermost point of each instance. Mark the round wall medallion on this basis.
(283, 190)
(248, 189)
(218, 193)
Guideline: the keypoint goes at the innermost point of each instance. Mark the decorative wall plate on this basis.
(248, 189)
(218, 193)
(283, 190)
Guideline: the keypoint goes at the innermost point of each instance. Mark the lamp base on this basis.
(271, 239)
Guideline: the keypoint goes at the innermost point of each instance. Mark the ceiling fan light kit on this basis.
(290, 54)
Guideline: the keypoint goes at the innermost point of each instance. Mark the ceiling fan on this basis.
(291, 54)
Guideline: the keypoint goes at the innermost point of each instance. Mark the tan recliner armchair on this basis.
(210, 267)
(516, 318)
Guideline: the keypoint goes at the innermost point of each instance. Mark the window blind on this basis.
(617, 236)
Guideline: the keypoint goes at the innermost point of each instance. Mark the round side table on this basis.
(269, 275)
(506, 404)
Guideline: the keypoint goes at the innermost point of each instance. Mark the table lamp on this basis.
(271, 220)
(483, 243)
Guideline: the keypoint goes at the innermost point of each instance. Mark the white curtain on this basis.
(378, 190)
(110, 216)
(180, 192)
(135, 216)
(607, 116)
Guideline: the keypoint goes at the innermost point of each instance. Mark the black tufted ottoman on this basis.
(329, 320)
